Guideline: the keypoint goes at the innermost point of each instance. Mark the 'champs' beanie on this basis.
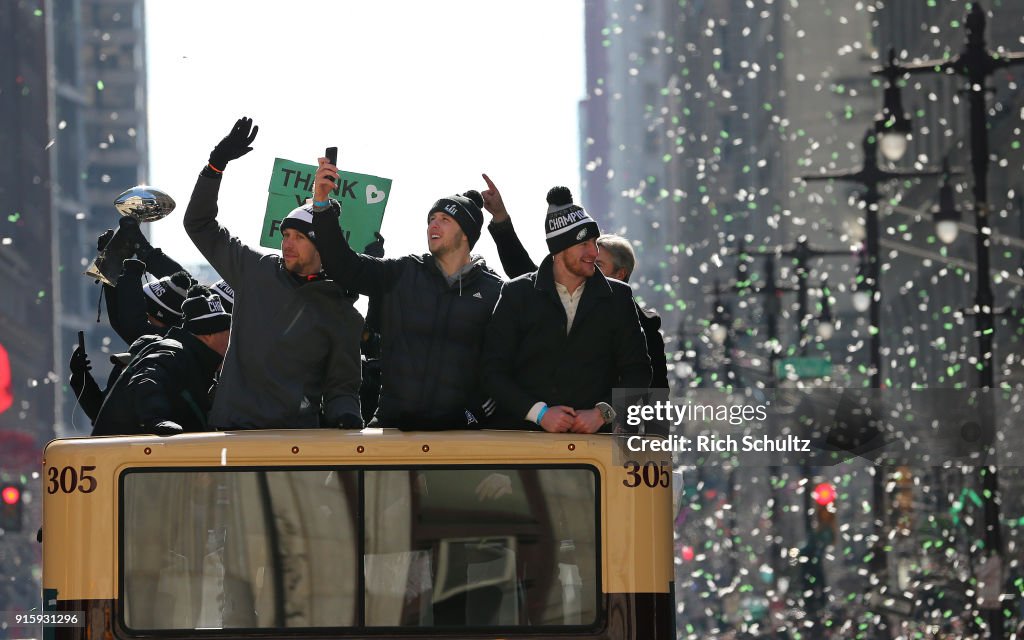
(566, 223)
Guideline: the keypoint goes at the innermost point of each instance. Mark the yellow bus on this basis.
(372, 534)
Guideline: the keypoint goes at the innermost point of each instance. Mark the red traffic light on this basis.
(824, 494)
(11, 494)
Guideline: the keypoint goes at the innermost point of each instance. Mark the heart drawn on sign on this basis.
(373, 196)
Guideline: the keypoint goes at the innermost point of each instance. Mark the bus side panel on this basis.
(637, 525)
(79, 515)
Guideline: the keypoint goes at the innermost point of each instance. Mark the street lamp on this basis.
(976, 63)
(892, 125)
(945, 212)
(870, 175)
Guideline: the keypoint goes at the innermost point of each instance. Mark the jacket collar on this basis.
(597, 288)
(468, 273)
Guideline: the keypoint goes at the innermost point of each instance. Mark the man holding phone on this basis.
(434, 310)
(293, 360)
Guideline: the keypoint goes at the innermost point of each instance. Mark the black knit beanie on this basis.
(566, 223)
(466, 211)
(204, 313)
(165, 295)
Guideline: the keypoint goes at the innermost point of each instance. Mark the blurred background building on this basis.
(73, 101)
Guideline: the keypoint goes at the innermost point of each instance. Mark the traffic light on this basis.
(11, 508)
(825, 511)
(903, 499)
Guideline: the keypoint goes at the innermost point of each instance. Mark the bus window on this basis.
(239, 549)
(481, 547)
(430, 547)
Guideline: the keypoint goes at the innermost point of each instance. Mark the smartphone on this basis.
(332, 156)
(81, 340)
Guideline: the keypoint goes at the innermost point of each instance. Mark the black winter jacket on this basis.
(528, 357)
(431, 333)
(168, 379)
(516, 261)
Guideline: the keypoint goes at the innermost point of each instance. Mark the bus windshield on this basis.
(246, 548)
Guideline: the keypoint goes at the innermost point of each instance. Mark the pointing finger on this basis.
(490, 185)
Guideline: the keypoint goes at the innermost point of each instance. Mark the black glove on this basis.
(138, 242)
(375, 248)
(235, 144)
(101, 242)
(166, 428)
(133, 267)
(79, 364)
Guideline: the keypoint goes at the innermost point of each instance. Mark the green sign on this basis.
(803, 368)
(362, 199)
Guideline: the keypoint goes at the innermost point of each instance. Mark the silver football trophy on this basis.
(145, 204)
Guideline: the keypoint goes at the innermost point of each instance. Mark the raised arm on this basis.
(226, 253)
(353, 271)
(515, 261)
(129, 320)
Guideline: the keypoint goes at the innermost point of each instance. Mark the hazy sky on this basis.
(429, 94)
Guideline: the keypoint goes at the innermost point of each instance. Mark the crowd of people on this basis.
(447, 342)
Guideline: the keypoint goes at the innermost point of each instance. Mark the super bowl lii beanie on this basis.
(466, 211)
(204, 313)
(566, 223)
(226, 293)
(300, 219)
(165, 295)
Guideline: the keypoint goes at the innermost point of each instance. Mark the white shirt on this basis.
(570, 301)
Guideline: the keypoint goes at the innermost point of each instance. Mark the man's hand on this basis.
(104, 239)
(129, 228)
(235, 144)
(493, 202)
(79, 364)
(325, 181)
(375, 248)
(558, 419)
(133, 267)
(587, 421)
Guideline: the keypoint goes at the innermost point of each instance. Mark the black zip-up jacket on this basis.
(432, 333)
(529, 358)
(516, 261)
(168, 379)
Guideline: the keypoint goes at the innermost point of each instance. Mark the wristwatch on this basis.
(606, 412)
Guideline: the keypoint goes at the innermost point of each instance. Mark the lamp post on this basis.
(870, 176)
(976, 63)
(802, 253)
